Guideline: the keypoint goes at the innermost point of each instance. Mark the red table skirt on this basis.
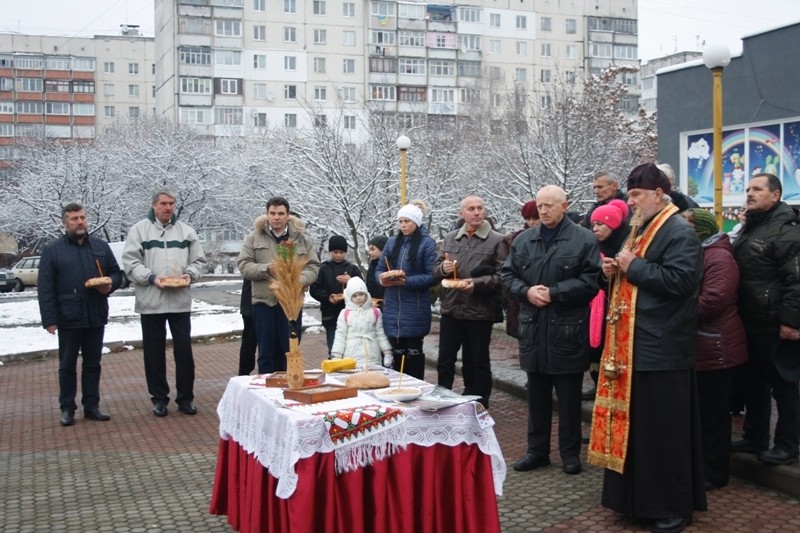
(418, 490)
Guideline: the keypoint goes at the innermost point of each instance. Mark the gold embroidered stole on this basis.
(608, 443)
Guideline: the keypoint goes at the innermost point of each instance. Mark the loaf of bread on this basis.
(174, 282)
(454, 283)
(368, 380)
(94, 282)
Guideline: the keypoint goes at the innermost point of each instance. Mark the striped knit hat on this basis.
(705, 225)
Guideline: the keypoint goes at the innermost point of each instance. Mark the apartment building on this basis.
(60, 87)
(227, 66)
(648, 78)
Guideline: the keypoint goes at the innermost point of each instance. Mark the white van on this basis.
(116, 249)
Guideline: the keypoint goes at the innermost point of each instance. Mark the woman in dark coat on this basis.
(406, 303)
(530, 214)
(721, 344)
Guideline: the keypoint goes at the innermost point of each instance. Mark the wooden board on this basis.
(319, 393)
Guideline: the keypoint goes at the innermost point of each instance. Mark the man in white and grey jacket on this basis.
(157, 248)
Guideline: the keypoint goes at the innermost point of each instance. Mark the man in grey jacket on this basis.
(553, 271)
(162, 257)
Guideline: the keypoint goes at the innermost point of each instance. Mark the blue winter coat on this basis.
(407, 309)
(63, 269)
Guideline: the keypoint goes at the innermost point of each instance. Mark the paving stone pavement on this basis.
(140, 473)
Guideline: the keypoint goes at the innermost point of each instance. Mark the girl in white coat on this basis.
(360, 327)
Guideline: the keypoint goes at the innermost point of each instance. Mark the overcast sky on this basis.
(665, 26)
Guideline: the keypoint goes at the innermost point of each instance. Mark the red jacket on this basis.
(721, 341)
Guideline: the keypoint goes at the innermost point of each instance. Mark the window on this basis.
(259, 61)
(382, 64)
(196, 25)
(6, 130)
(195, 115)
(441, 67)
(569, 76)
(522, 22)
(629, 78)
(348, 94)
(6, 108)
(56, 86)
(411, 11)
(469, 42)
(469, 96)
(195, 85)
(259, 33)
(383, 9)
(547, 50)
(469, 14)
(441, 41)
(229, 57)
(546, 24)
(195, 56)
(290, 120)
(228, 28)
(57, 63)
(290, 6)
(522, 48)
(494, 46)
(571, 52)
(320, 93)
(290, 92)
(381, 37)
(411, 38)
(412, 94)
(108, 67)
(56, 108)
(83, 86)
(289, 34)
(443, 96)
(83, 110)
(133, 68)
(320, 36)
(411, 66)
(229, 86)
(546, 76)
(110, 111)
(260, 120)
(133, 90)
(349, 38)
(289, 63)
(571, 26)
(349, 122)
(647, 83)
(85, 64)
(600, 50)
(624, 51)
(259, 5)
(496, 73)
(348, 66)
(521, 75)
(471, 69)
(232, 116)
(494, 20)
(545, 102)
(29, 62)
(383, 92)
(108, 89)
(319, 7)
(30, 130)
(349, 9)
(319, 65)
(28, 85)
(30, 108)
(260, 91)
(320, 121)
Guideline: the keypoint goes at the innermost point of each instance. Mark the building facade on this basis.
(647, 74)
(226, 66)
(71, 88)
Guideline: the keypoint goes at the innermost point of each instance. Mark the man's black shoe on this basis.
(571, 465)
(745, 446)
(67, 417)
(530, 461)
(187, 408)
(776, 456)
(160, 409)
(671, 525)
(96, 414)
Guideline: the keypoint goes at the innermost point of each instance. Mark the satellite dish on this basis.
(124, 28)
(270, 96)
(464, 48)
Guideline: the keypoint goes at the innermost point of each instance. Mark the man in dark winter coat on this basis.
(77, 312)
(553, 270)
(328, 289)
(768, 254)
(606, 188)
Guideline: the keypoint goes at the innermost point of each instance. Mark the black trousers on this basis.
(472, 337)
(247, 350)
(540, 412)
(154, 343)
(89, 341)
(761, 380)
(411, 347)
(714, 389)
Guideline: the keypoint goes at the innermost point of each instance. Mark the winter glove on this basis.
(387, 360)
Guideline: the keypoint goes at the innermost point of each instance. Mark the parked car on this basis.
(116, 249)
(7, 280)
(27, 273)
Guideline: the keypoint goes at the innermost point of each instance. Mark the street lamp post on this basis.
(403, 143)
(716, 57)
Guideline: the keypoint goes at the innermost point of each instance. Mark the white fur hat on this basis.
(412, 213)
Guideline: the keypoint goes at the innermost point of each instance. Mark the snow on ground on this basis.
(21, 330)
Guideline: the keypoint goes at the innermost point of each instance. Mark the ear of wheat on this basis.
(286, 285)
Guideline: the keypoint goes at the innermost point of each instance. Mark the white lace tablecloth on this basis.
(278, 437)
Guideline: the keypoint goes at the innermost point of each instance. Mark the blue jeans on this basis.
(272, 332)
